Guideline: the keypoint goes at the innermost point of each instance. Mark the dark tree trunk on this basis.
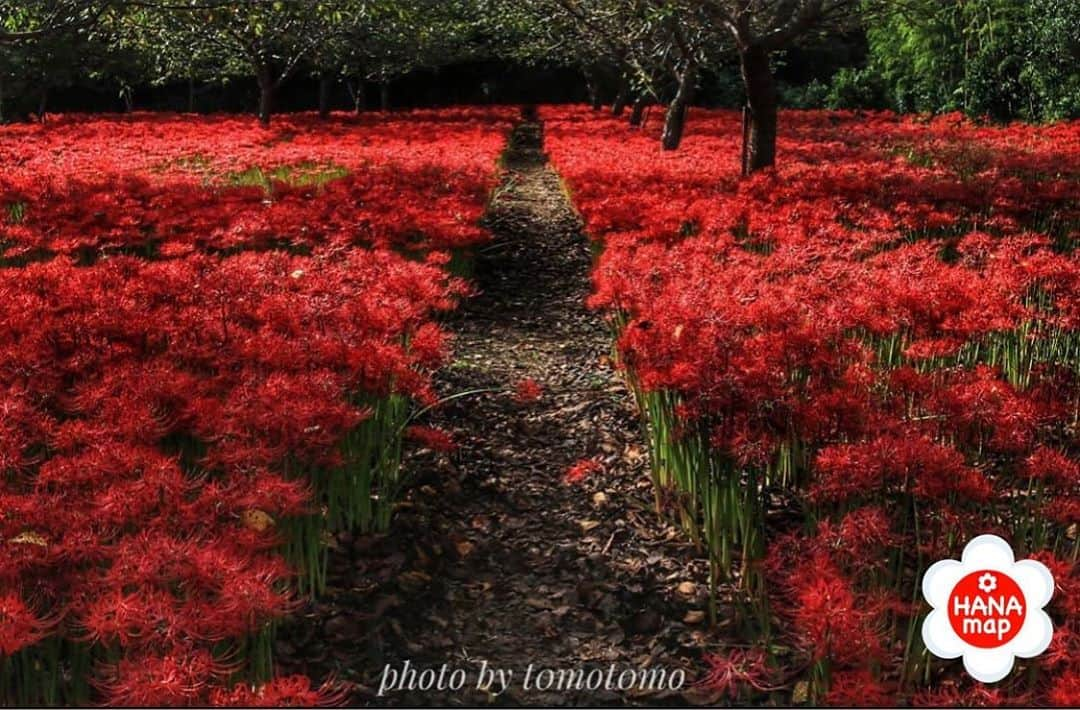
(760, 114)
(266, 95)
(675, 121)
(128, 96)
(637, 113)
(191, 95)
(43, 102)
(384, 96)
(619, 104)
(592, 89)
(325, 84)
(1, 98)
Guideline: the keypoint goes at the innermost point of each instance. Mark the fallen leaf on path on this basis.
(694, 616)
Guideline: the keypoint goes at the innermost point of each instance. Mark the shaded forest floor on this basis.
(493, 557)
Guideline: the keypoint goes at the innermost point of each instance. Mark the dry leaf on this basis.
(464, 548)
(587, 525)
(694, 616)
(256, 520)
(688, 589)
(801, 693)
(414, 579)
(599, 499)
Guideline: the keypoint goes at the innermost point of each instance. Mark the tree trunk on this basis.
(759, 117)
(619, 104)
(592, 89)
(266, 95)
(595, 102)
(325, 84)
(1, 98)
(359, 98)
(675, 121)
(384, 96)
(128, 95)
(637, 113)
(43, 102)
(191, 94)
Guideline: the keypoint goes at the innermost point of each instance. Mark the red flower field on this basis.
(211, 333)
(849, 366)
(217, 337)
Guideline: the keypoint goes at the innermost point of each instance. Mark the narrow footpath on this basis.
(494, 557)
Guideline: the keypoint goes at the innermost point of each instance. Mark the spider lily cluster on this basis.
(847, 368)
(212, 337)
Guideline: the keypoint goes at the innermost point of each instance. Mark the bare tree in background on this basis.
(759, 28)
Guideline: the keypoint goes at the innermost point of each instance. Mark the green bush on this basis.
(856, 88)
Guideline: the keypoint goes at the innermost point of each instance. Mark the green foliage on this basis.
(304, 174)
(852, 88)
(811, 95)
(53, 44)
(1000, 58)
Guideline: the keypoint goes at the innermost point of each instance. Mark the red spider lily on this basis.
(951, 695)
(385, 189)
(736, 670)
(581, 469)
(859, 688)
(19, 625)
(433, 438)
(207, 320)
(1053, 466)
(1065, 690)
(177, 679)
(528, 391)
(289, 692)
(889, 341)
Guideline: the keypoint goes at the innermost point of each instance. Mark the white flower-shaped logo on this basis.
(987, 608)
(987, 583)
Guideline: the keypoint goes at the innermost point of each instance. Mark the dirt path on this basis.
(493, 557)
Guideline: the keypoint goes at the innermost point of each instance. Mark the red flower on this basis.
(581, 470)
(737, 670)
(859, 688)
(289, 692)
(528, 391)
(19, 626)
(433, 438)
